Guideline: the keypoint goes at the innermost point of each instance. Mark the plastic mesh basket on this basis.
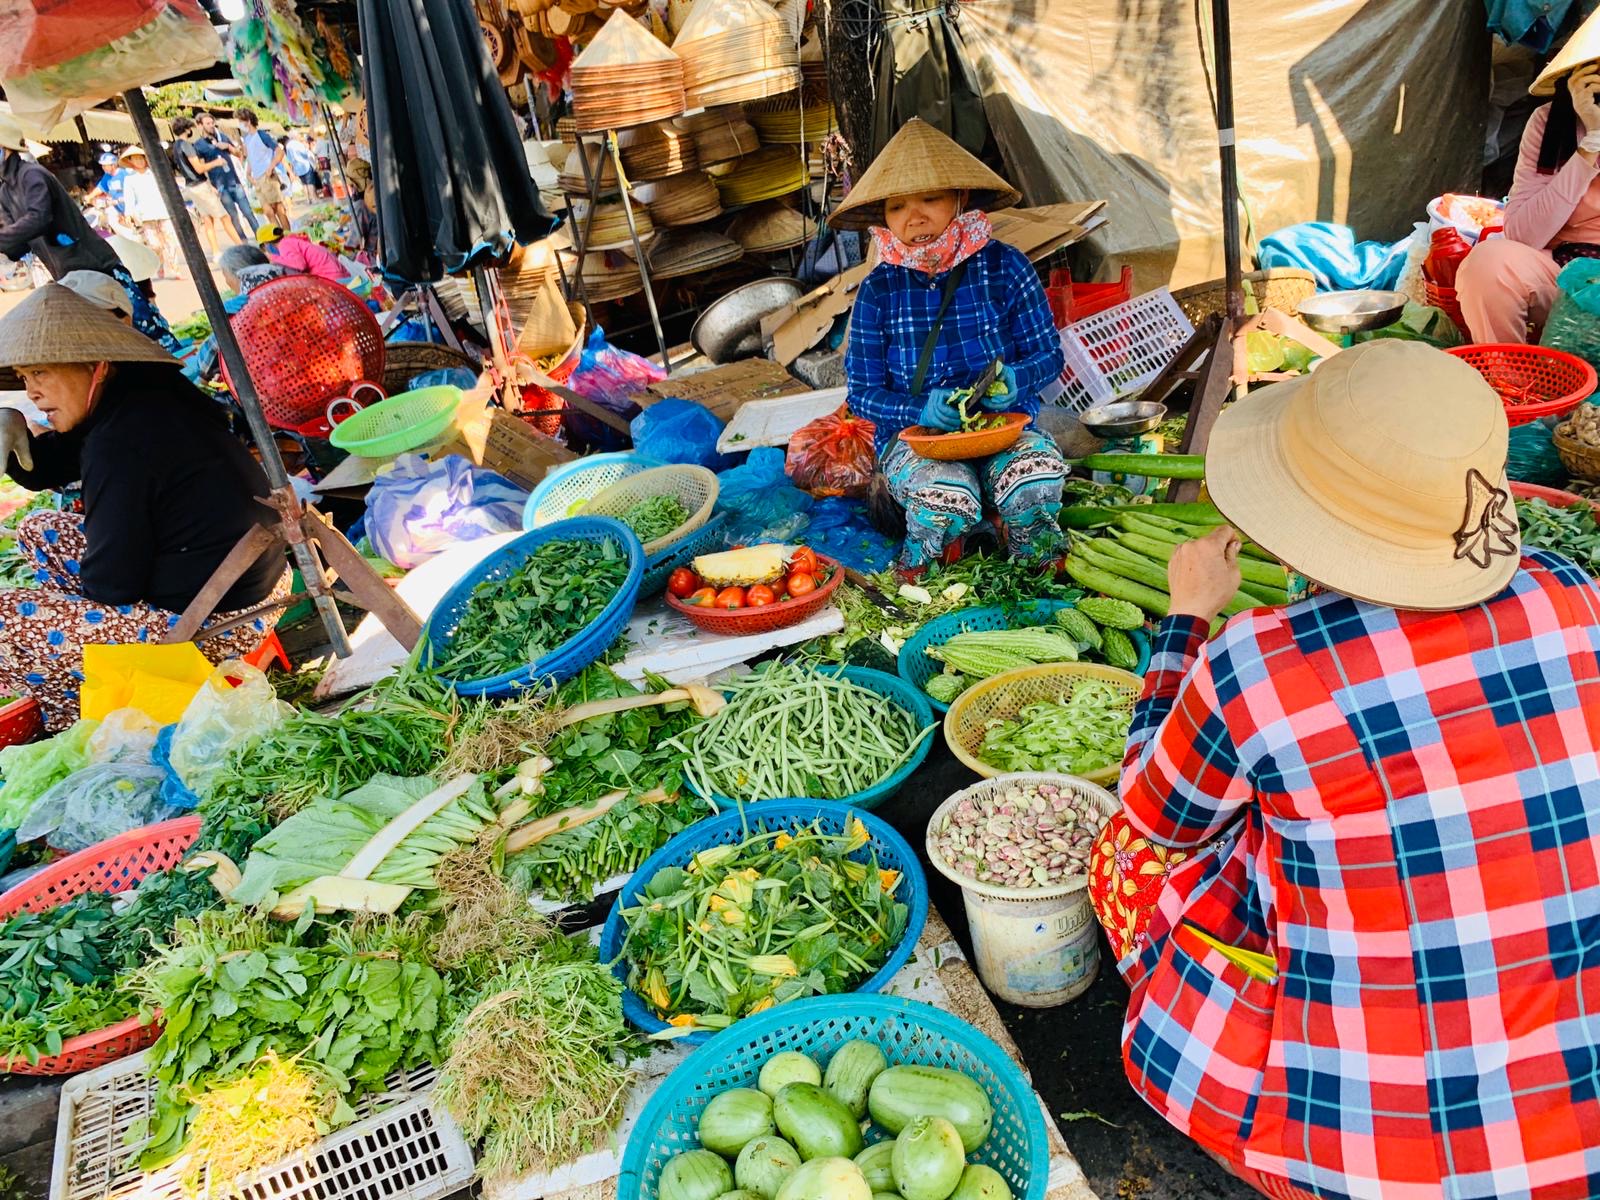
(916, 667)
(21, 721)
(1116, 352)
(567, 488)
(906, 1031)
(1005, 695)
(400, 1148)
(696, 489)
(578, 651)
(892, 851)
(112, 866)
(763, 618)
(402, 422)
(1533, 381)
(659, 566)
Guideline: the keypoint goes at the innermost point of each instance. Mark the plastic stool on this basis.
(268, 652)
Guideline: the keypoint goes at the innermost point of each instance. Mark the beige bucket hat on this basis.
(1582, 47)
(1382, 475)
(919, 159)
(56, 325)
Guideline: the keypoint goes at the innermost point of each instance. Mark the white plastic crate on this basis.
(1116, 352)
(399, 1148)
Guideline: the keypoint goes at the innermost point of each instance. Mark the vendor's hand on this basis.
(1003, 401)
(14, 440)
(939, 412)
(1582, 85)
(1203, 575)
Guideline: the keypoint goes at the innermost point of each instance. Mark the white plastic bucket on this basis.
(1035, 947)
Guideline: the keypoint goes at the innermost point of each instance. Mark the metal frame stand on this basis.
(301, 526)
(338, 164)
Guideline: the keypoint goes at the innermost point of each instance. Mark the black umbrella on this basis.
(453, 182)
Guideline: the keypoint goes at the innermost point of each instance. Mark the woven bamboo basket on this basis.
(402, 360)
(1282, 288)
(1580, 460)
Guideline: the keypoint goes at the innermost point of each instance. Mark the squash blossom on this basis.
(858, 834)
(655, 986)
(780, 965)
(782, 840)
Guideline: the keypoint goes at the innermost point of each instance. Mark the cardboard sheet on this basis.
(725, 389)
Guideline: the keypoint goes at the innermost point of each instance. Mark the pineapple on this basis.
(742, 568)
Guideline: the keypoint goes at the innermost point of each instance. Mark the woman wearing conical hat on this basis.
(1355, 882)
(168, 491)
(924, 199)
(1553, 213)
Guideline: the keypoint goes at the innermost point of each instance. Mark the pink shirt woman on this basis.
(1508, 284)
(300, 254)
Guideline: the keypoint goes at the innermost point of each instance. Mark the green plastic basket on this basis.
(403, 422)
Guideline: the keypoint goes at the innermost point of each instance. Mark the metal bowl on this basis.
(1352, 312)
(730, 328)
(1123, 418)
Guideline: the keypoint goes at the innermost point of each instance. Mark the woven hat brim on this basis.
(1257, 489)
(919, 159)
(56, 325)
(1582, 47)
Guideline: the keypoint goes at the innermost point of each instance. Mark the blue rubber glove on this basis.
(1002, 401)
(939, 413)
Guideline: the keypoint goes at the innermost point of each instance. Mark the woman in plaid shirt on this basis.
(1356, 881)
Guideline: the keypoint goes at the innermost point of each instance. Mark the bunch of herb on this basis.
(353, 1002)
(655, 517)
(517, 619)
(56, 978)
(1572, 532)
(760, 922)
(538, 1069)
(274, 1108)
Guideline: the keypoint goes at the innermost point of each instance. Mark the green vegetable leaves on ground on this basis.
(1572, 532)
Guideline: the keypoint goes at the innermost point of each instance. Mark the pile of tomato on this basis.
(805, 575)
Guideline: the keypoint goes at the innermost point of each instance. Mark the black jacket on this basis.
(167, 492)
(37, 214)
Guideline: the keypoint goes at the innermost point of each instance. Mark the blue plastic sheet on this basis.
(679, 431)
(1332, 254)
(840, 529)
(763, 506)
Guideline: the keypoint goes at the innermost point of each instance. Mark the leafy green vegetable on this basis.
(1086, 731)
(33, 769)
(655, 517)
(54, 981)
(1572, 532)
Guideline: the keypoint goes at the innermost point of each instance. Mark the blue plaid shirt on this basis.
(998, 312)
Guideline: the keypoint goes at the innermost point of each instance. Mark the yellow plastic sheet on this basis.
(157, 680)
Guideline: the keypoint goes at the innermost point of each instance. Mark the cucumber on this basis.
(734, 1118)
(979, 1182)
(874, 1162)
(696, 1175)
(928, 1159)
(850, 1073)
(826, 1179)
(817, 1124)
(788, 1067)
(1154, 466)
(764, 1164)
(901, 1094)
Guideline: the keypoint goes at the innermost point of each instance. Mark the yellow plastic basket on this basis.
(1005, 695)
(695, 487)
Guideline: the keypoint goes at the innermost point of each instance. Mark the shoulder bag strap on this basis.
(951, 282)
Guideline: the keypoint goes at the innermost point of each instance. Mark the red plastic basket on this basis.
(306, 340)
(1071, 301)
(21, 721)
(1445, 298)
(739, 622)
(1554, 497)
(114, 865)
(1533, 381)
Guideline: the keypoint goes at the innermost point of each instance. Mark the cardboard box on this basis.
(724, 389)
(507, 444)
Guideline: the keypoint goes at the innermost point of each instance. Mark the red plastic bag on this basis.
(833, 455)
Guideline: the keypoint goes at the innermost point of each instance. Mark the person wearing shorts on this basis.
(263, 155)
(213, 149)
(204, 203)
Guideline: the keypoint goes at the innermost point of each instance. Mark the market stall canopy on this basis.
(101, 124)
(453, 182)
(1346, 111)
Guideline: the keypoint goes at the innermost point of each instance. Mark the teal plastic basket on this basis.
(403, 422)
(567, 488)
(916, 668)
(896, 691)
(891, 850)
(660, 566)
(905, 1030)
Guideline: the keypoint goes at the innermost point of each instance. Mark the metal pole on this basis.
(238, 373)
(638, 250)
(1232, 248)
(338, 163)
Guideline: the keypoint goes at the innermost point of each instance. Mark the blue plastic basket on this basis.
(907, 1032)
(658, 567)
(893, 853)
(916, 668)
(567, 488)
(571, 657)
(896, 691)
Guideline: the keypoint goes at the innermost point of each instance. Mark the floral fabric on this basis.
(962, 238)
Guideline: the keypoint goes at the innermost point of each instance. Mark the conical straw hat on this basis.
(715, 18)
(769, 227)
(56, 325)
(1582, 47)
(622, 42)
(549, 326)
(920, 159)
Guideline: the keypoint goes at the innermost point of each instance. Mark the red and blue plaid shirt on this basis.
(1403, 811)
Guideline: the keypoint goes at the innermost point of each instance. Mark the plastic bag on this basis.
(33, 769)
(416, 509)
(610, 378)
(833, 455)
(127, 735)
(679, 431)
(222, 717)
(158, 680)
(58, 60)
(1332, 254)
(1531, 456)
(841, 529)
(1574, 323)
(464, 378)
(97, 803)
(762, 505)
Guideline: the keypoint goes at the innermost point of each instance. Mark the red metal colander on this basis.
(306, 340)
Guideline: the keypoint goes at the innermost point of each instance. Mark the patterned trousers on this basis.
(943, 500)
(147, 318)
(43, 631)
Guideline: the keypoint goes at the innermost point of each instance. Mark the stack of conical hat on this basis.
(681, 199)
(690, 251)
(736, 50)
(601, 166)
(625, 77)
(770, 227)
(764, 175)
(720, 134)
(610, 275)
(608, 228)
(783, 120)
(656, 151)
